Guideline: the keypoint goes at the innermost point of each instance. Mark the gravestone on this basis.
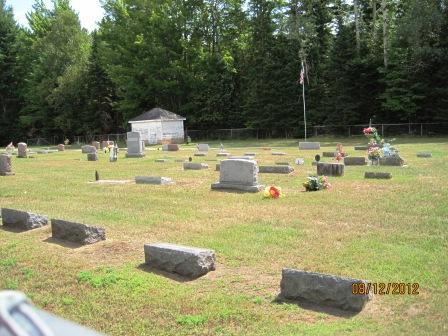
(159, 180)
(5, 165)
(87, 149)
(300, 161)
(170, 147)
(200, 154)
(203, 147)
(424, 155)
(22, 150)
(195, 166)
(92, 156)
(76, 232)
(394, 160)
(279, 169)
(330, 169)
(238, 175)
(191, 262)
(309, 145)
(250, 154)
(222, 154)
(377, 175)
(96, 144)
(22, 220)
(329, 154)
(61, 147)
(362, 148)
(278, 153)
(355, 161)
(135, 145)
(282, 163)
(322, 289)
(161, 160)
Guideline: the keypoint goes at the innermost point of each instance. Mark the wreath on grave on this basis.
(272, 192)
(316, 183)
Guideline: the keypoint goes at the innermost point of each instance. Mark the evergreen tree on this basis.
(54, 85)
(9, 80)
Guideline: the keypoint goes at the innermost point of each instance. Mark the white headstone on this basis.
(203, 147)
(22, 150)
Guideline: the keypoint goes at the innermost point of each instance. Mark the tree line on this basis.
(223, 64)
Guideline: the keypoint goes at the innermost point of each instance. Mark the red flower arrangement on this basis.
(369, 130)
(272, 192)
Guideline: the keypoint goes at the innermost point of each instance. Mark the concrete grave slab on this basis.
(76, 232)
(190, 262)
(322, 289)
(22, 220)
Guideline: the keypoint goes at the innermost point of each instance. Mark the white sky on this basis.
(89, 11)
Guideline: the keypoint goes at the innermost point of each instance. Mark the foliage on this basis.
(222, 64)
(192, 320)
(315, 183)
(103, 278)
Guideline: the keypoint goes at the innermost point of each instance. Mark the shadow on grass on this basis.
(304, 304)
(233, 191)
(176, 277)
(13, 229)
(62, 243)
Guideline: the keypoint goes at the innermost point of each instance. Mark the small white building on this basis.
(159, 126)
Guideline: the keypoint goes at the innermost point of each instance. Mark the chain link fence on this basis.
(241, 133)
(386, 130)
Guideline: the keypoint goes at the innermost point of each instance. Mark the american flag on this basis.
(301, 81)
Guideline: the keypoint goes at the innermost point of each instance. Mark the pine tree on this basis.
(9, 80)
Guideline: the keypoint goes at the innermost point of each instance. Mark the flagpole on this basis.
(303, 93)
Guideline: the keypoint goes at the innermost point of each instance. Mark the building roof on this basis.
(157, 114)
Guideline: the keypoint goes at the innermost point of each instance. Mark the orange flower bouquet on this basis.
(272, 192)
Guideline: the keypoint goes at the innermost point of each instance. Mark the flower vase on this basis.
(375, 162)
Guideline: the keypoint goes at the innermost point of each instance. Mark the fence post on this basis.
(382, 130)
(349, 131)
(421, 129)
(409, 127)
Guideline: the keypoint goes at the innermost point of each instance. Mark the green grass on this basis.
(380, 230)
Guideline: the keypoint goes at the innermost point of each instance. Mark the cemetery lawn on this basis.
(380, 230)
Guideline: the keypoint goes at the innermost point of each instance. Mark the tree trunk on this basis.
(385, 32)
(358, 43)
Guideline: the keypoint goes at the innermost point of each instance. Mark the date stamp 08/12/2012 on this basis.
(385, 288)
